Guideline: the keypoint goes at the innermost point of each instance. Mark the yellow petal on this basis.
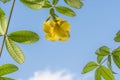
(59, 21)
(57, 31)
(52, 37)
(52, 23)
(46, 27)
(65, 26)
(65, 37)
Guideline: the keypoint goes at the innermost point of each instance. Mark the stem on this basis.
(3, 42)
(49, 16)
(103, 61)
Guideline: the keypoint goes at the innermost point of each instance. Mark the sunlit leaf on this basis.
(106, 73)
(116, 56)
(6, 78)
(66, 11)
(98, 74)
(47, 4)
(15, 52)
(3, 22)
(116, 60)
(74, 3)
(7, 69)
(54, 2)
(116, 52)
(103, 51)
(109, 64)
(99, 58)
(24, 36)
(117, 37)
(35, 4)
(89, 67)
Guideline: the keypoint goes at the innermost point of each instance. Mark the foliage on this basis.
(117, 38)
(55, 29)
(3, 22)
(59, 29)
(23, 36)
(103, 70)
(7, 69)
(74, 3)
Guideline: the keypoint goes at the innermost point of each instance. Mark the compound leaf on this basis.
(103, 51)
(74, 3)
(66, 11)
(116, 60)
(106, 73)
(24, 36)
(7, 69)
(15, 52)
(3, 22)
(117, 37)
(89, 67)
(36, 4)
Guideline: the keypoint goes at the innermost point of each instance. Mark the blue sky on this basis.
(94, 26)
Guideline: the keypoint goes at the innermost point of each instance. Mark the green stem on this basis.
(3, 42)
(104, 61)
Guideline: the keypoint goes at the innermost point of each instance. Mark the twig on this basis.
(3, 42)
(103, 61)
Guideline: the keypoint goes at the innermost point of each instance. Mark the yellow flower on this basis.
(57, 30)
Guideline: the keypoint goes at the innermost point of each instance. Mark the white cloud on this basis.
(59, 75)
(49, 75)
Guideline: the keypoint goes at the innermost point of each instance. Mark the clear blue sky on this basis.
(94, 26)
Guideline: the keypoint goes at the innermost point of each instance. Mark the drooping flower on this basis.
(57, 30)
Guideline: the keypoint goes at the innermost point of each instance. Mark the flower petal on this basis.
(46, 27)
(65, 26)
(57, 30)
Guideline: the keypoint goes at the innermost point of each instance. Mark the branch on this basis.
(3, 42)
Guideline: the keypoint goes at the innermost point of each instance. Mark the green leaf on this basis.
(109, 60)
(103, 51)
(116, 52)
(5, 78)
(24, 36)
(15, 52)
(7, 69)
(89, 67)
(109, 64)
(74, 3)
(116, 60)
(98, 74)
(3, 22)
(117, 37)
(47, 4)
(116, 56)
(66, 11)
(106, 73)
(54, 2)
(99, 58)
(4, 1)
(35, 4)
